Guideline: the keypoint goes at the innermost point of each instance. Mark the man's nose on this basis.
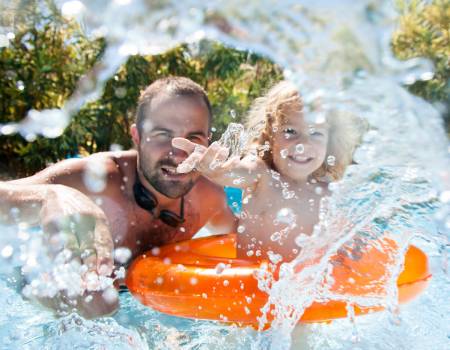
(177, 154)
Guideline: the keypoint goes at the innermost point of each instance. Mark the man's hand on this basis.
(75, 223)
(70, 269)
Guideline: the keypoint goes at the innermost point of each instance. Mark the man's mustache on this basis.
(166, 162)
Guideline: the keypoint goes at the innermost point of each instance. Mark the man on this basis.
(129, 199)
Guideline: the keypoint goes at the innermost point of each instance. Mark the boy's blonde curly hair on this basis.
(271, 110)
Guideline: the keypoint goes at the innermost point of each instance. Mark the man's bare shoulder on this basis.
(72, 172)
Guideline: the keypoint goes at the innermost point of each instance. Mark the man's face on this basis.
(168, 117)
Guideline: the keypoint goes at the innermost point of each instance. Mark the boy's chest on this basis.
(279, 214)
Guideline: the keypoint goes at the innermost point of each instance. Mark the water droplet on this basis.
(300, 148)
(94, 176)
(72, 8)
(7, 251)
(115, 147)
(226, 283)
(220, 267)
(20, 85)
(193, 281)
(301, 239)
(273, 257)
(284, 153)
(110, 295)
(233, 114)
(159, 280)
(238, 181)
(331, 160)
(122, 255)
(241, 229)
(156, 251)
(120, 92)
(276, 236)
(318, 190)
(445, 197)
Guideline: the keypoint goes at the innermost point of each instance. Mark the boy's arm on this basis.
(212, 162)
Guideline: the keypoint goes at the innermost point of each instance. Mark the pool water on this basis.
(399, 186)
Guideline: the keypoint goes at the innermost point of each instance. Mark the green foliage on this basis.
(49, 56)
(39, 70)
(424, 31)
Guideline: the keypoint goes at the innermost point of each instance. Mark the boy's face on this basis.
(168, 117)
(299, 148)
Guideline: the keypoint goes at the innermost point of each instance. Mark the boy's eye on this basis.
(316, 133)
(289, 131)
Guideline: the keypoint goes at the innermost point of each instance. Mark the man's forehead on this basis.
(177, 113)
(168, 100)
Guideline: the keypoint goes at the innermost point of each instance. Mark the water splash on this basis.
(398, 187)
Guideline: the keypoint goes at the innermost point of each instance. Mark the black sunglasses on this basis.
(147, 200)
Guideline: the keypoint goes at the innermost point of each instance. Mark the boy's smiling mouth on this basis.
(300, 159)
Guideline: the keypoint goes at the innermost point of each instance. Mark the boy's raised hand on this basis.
(210, 161)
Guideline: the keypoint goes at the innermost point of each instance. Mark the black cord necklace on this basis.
(147, 200)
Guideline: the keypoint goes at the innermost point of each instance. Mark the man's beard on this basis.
(169, 188)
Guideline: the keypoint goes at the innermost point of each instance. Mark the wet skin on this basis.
(113, 216)
(130, 225)
(264, 203)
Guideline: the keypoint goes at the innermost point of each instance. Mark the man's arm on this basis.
(70, 220)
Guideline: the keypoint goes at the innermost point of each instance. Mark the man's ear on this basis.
(135, 135)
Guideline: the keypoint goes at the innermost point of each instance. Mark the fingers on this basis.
(190, 163)
(104, 246)
(96, 246)
(86, 237)
(184, 144)
(61, 234)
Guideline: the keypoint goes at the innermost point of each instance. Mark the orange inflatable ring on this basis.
(186, 279)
